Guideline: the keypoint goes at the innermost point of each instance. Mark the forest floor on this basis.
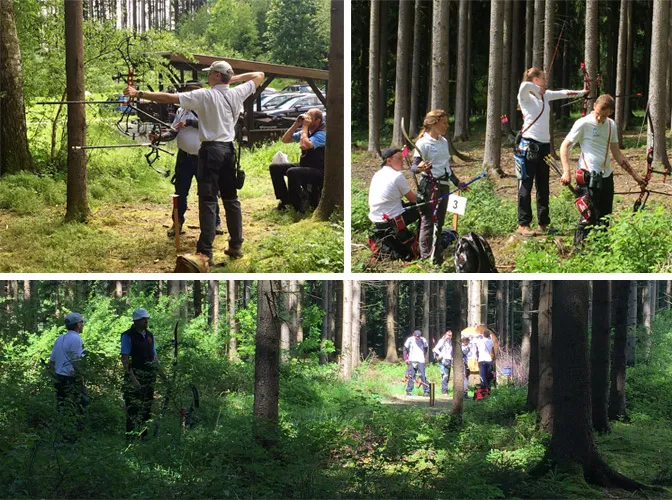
(506, 244)
(132, 212)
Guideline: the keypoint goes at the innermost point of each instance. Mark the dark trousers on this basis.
(602, 199)
(444, 367)
(413, 370)
(537, 174)
(138, 407)
(217, 175)
(70, 402)
(186, 167)
(485, 371)
(394, 242)
(298, 179)
(427, 220)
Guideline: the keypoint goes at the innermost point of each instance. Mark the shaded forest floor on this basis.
(492, 211)
(131, 211)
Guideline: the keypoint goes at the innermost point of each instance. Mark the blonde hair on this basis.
(431, 119)
(531, 73)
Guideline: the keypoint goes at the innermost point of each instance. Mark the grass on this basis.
(131, 212)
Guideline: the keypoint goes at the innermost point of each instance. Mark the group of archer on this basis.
(596, 133)
(479, 347)
(140, 363)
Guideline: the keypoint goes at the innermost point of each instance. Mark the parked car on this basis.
(297, 87)
(275, 101)
(286, 113)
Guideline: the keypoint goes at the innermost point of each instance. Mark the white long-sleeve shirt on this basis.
(531, 102)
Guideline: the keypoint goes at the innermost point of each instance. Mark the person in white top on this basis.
(415, 351)
(390, 216)
(432, 159)
(217, 108)
(596, 133)
(185, 130)
(443, 351)
(486, 356)
(64, 363)
(533, 146)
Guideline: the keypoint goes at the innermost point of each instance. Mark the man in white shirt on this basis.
(415, 351)
(486, 356)
(387, 211)
(218, 108)
(443, 351)
(66, 355)
(597, 135)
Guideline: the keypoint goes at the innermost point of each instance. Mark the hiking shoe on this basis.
(526, 231)
(234, 253)
(409, 394)
(281, 206)
(171, 231)
(219, 229)
(546, 230)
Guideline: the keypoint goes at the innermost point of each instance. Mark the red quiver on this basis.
(582, 177)
(583, 205)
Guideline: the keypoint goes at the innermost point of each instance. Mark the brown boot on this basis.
(546, 230)
(526, 231)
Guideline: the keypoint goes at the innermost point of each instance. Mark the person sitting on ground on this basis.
(390, 216)
(185, 129)
(443, 351)
(415, 350)
(312, 138)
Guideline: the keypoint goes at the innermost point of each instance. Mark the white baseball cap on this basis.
(140, 313)
(221, 67)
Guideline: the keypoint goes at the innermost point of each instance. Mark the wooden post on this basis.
(176, 222)
(455, 216)
(432, 388)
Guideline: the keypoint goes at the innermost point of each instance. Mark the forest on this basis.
(111, 201)
(467, 58)
(293, 388)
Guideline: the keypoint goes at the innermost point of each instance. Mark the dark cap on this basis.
(389, 153)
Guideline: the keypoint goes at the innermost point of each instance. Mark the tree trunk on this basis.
(213, 305)
(647, 316)
(346, 346)
(14, 152)
(526, 326)
(506, 68)
(266, 367)
(529, 33)
(332, 192)
(630, 351)
(384, 41)
(533, 374)
(374, 71)
(599, 355)
(545, 344)
(516, 64)
(621, 62)
(418, 35)
(356, 314)
(493, 137)
(233, 324)
(440, 47)
(363, 333)
(198, 299)
(401, 95)
(538, 35)
(459, 304)
(591, 51)
(390, 322)
(461, 87)
(412, 300)
(657, 80)
(326, 307)
(622, 292)
(77, 205)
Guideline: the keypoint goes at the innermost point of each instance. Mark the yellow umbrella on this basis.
(480, 330)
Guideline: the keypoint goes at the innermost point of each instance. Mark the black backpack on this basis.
(474, 255)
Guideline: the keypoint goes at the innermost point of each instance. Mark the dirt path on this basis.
(442, 403)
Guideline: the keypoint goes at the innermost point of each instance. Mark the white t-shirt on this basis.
(484, 347)
(187, 137)
(592, 137)
(530, 101)
(436, 151)
(444, 349)
(67, 349)
(416, 354)
(217, 114)
(388, 186)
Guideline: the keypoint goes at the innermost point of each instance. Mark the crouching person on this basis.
(390, 235)
(310, 132)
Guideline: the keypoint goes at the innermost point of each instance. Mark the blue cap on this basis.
(73, 318)
(140, 313)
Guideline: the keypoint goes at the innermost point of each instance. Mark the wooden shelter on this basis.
(199, 62)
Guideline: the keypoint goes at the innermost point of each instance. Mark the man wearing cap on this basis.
(217, 108)
(390, 216)
(415, 352)
(185, 129)
(310, 132)
(64, 364)
(138, 355)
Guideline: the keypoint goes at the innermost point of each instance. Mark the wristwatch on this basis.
(141, 94)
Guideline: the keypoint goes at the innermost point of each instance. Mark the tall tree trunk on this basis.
(529, 33)
(621, 62)
(517, 62)
(493, 137)
(233, 324)
(363, 332)
(632, 325)
(461, 87)
(299, 310)
(332, 192)
(506, 67)
(622, 292)
(526, 326)
(538, 35)
(374, 71)
(77, 205)
(533, 374)
(384, 41)
(599, 355)
(198, 299)
(356, 327)
(266, 366)
(440, 47)
(213, 304)
(390, 322)
(592, 40)
(412, 300)
(545, 348)
(647, 316)
(418, 35)
(326, 307)
(14, 152)
(657, 77)
(346, 348)
(401, 95)
(572, 443)
(459, 304)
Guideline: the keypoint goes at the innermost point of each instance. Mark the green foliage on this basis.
(488, 214)
(26, 193)
(359, 221)
(232, 29)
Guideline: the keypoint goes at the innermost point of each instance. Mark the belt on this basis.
(189, 154)
(207, 143)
